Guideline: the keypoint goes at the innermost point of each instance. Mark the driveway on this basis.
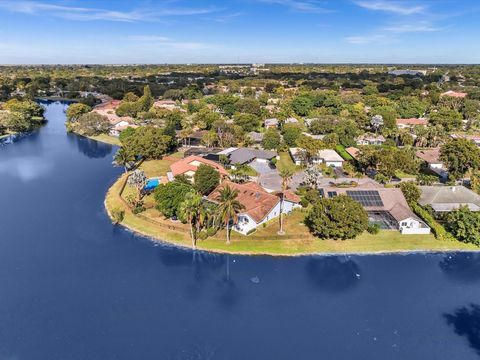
(261, 167)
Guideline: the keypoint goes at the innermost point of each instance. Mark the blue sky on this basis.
(230, 31)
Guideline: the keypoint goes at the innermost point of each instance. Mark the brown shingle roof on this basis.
(257, 202)
(412, 121)
(431, 156)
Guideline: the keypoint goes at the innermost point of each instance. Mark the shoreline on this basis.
(287, 247)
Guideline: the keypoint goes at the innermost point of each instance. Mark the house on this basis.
(449, 198)
(386, 207)
(167, 105)
(193, 139)
(243, 156)
(370, 139)
(259, 205)
(118, 128)
(326, 156)
(431, 157)
(271, 123)
(315, 137)
(330, 158)
(189, 165)
(455, 94)
(410, 123)
(256, 137)
(291, 120)
(475, 138)
(353, 152)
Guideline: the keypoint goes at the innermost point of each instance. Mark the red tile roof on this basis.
(455, 94)
(182, 166)
(257, 202)
(412, 121)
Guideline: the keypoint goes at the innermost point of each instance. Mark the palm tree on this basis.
(229, 207)
(190, 209)
(122, 158)
(286, 175)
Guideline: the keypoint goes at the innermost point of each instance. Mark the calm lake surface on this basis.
(73, 286)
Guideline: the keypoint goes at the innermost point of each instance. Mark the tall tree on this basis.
(190, 208)
(229, 207)
(286, 175)
(122, 158)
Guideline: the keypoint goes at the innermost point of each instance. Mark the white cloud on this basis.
(401, 8)
(92, 14)
(308, 6)
(366, 39)
(411, 28)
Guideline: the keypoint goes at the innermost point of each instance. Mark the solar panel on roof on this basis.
(366, 197)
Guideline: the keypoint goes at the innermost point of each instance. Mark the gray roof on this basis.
(245, 155)
(255, 136)
(449, 198)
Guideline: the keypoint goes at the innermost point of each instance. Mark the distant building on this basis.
(370, 139)
(326, 156)
(408, 72)
(449, 198)
(475, 138)
(455, 94)
(412, 122)
(256, 137)
(271, 123)
(431, 157)
(291, 120)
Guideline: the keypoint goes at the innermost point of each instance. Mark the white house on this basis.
(271, 123)
(328, 157)
(386, 207)
(259, 205)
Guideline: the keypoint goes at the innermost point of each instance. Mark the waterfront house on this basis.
(449, 198)
(259, 205)
(386, 207)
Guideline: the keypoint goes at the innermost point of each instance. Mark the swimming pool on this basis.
(152, 184)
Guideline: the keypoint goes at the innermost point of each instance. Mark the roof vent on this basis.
(453, 188)
(257, 195)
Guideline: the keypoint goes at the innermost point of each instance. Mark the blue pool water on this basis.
(152, 184)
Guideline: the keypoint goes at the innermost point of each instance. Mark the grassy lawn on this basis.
(106, 139)
(296, 241)
(154, 168)
(402, 175)
(286, 162)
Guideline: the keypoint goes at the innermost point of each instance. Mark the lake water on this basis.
(73, 286)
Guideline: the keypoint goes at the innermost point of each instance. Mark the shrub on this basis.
(211, 231)
(202, 235)
(373, 229)
(118, 215)
(138, 209)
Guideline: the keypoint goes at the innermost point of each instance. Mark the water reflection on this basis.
(91, 148)
(26, 169)
(466, 322)
(333, 273)
(462, 267)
